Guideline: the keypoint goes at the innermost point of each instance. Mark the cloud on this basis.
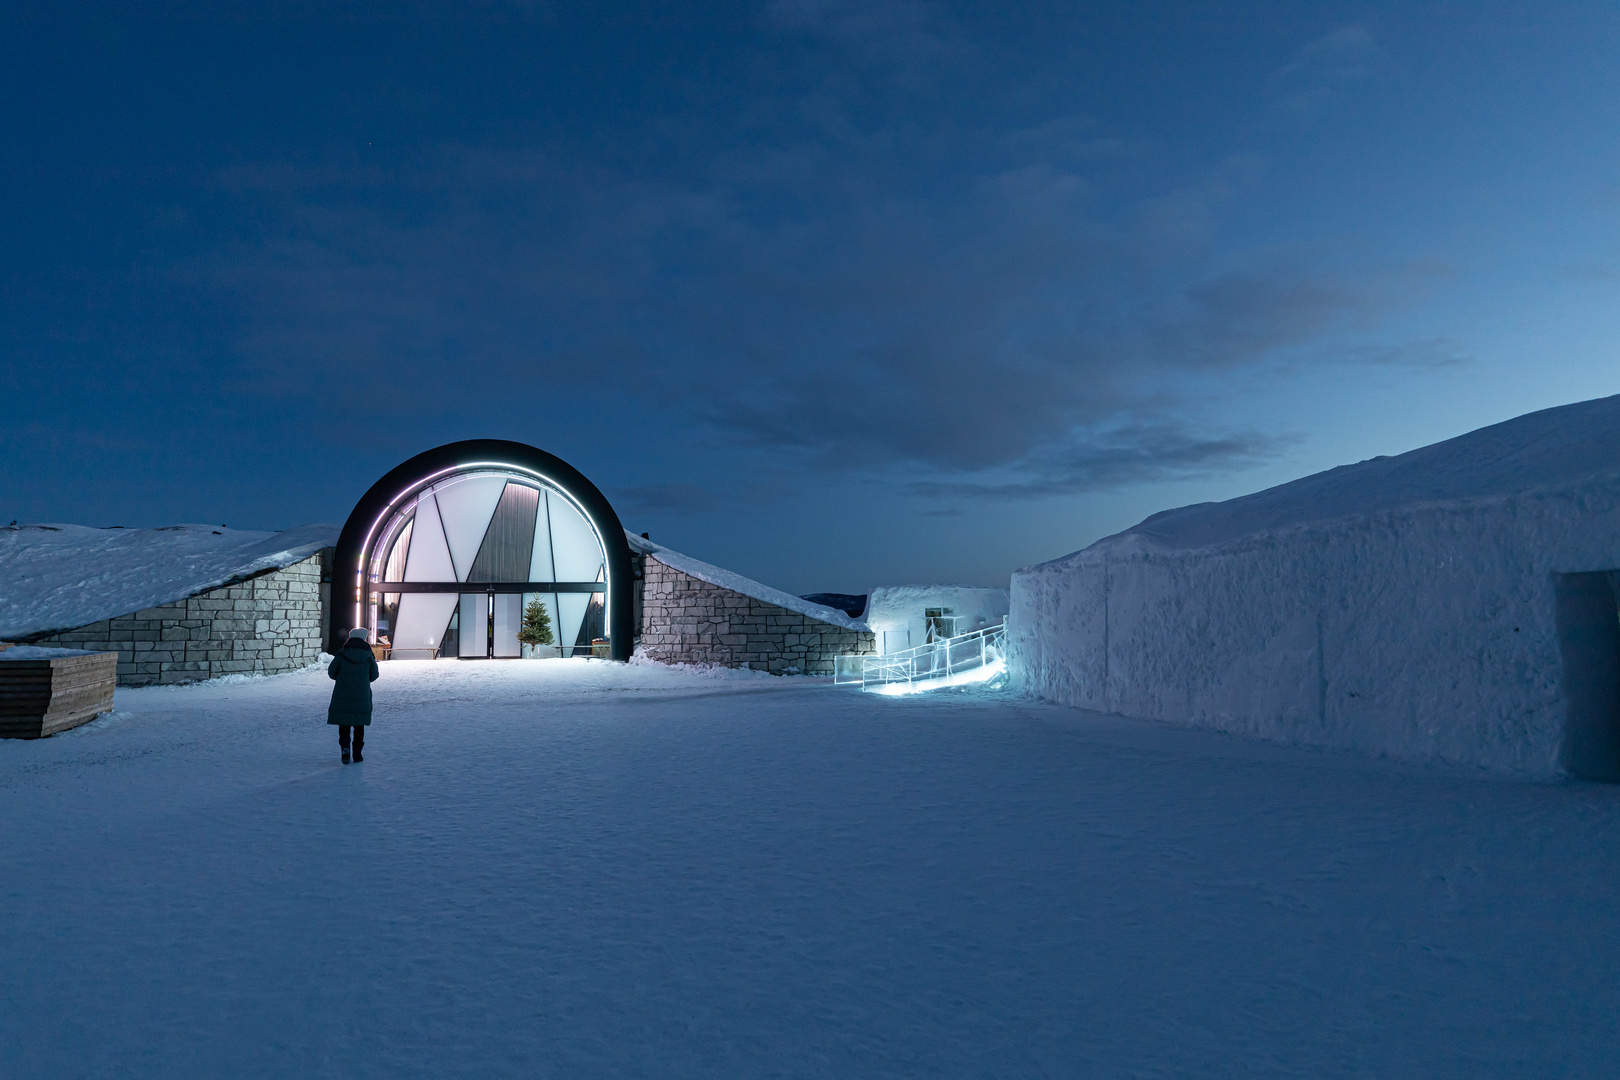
(1431, 353)
(677, 499)
(1114, 459)
(843, 295)
(1323, 71)
(914, 39)
(962, 331)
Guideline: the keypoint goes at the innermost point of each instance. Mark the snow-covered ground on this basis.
(577, 868)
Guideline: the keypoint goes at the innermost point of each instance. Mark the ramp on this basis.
(970, 658)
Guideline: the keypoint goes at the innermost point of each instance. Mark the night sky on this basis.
(831, 294)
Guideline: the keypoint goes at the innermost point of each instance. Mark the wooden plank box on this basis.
(43, 691)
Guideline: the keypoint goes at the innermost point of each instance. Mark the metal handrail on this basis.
(937, 660)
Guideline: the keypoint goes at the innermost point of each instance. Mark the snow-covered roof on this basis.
(1553, 449)
(39, 652)
(728, 579)
(59, 577)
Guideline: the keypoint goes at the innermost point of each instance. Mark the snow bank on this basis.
(721, 672)
(1404, 606)
(59, 577)
(728, 579)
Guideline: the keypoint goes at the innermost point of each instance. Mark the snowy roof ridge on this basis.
(57, 577)
(728, 579)
(1552, 450)
(936, 585)
(1139, 539)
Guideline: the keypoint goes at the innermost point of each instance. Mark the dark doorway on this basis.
(1589, 639)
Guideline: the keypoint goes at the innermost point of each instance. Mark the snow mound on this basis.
(1556, 448)
(728, 579)
(59, 577)
(718, 672)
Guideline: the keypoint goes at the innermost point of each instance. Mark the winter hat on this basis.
(358, 633)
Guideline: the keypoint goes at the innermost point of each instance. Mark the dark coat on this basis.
(354, 668)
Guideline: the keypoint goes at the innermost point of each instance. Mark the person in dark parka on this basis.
(354, 669)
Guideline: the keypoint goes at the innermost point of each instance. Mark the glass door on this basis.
(474, 625)
(508, 621)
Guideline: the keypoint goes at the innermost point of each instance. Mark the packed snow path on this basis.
(576, 869)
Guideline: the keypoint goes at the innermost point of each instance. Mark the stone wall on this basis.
(263, 625)
(689, 621)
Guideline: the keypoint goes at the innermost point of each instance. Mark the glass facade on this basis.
(454, 563)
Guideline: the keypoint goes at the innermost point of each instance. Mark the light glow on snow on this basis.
(981, 674)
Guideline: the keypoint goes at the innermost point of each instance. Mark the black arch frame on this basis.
(348, 559)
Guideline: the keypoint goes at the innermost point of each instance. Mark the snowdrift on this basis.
(1451, 603)
(60, 577)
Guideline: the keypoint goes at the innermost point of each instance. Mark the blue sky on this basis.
(832, 294)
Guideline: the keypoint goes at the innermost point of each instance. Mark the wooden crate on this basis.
(41, 695)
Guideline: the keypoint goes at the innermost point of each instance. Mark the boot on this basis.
(345, 755)
(357, 757)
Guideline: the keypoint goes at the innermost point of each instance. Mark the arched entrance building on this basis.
(444, 553)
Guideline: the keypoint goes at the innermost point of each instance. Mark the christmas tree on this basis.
(536, 625)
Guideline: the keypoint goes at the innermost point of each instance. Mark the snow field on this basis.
(577, 868)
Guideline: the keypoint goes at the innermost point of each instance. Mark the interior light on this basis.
(395, 505)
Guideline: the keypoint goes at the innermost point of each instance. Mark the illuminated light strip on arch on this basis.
(522, 470)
